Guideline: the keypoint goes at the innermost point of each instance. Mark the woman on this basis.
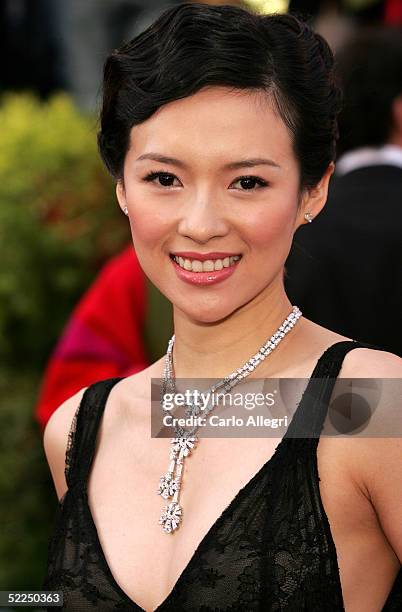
(219, 127)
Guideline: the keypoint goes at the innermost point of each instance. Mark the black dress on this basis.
(270, 550)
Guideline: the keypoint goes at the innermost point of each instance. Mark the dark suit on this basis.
(344, 270)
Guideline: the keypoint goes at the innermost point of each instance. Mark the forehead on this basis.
(215, 121)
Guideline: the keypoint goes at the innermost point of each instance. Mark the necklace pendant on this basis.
(171, 517)
(184, 446)
(168, 485)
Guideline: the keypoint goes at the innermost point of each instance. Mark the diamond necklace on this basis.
(184, 442)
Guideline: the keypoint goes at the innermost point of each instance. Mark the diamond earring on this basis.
(125, 210)
(309, 217)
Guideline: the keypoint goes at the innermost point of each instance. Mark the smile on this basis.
(206, 272)
(209, 265)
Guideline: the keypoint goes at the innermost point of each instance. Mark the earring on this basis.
(309, 217)
(125, 210)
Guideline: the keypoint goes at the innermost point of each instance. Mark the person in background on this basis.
(351, 253)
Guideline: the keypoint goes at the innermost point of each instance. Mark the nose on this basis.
(202, 220)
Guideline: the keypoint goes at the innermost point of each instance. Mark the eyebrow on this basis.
(241, 163)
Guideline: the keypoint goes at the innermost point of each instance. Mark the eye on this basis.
(248, 182)
(165, 178)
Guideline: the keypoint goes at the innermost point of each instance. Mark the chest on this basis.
(126, 508)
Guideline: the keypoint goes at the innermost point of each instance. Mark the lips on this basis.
(205, 277)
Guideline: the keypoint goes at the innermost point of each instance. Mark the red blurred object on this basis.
(393, 12)
(103, 337)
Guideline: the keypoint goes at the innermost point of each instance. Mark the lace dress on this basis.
(270, 550)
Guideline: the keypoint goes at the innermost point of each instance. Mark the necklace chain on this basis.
(185, 441)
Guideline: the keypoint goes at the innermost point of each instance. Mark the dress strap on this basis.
(310, 415)
(84, 428)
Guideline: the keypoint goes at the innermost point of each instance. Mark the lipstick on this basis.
(204, 278)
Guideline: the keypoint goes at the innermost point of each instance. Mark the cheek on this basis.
(272, 229)
(148, 231)
(149, 222)
(148, 228)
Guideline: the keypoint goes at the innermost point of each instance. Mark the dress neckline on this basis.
(235, 500)
(201, 545)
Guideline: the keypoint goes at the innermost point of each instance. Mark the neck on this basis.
(213, 350)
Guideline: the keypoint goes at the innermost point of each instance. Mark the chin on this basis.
(206, 314)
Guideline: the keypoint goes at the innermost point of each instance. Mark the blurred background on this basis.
(67, 270)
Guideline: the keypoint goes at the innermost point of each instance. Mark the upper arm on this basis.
(378, 454)
(55, 439)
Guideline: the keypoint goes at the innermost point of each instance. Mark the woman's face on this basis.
(228, 185)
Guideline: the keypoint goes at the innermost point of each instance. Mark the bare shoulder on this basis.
(55, 439)
(371, 363)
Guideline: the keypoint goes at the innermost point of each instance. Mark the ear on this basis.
(313, 199)
(121, 194)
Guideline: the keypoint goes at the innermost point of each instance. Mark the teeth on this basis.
(196, 266)
(206, 266)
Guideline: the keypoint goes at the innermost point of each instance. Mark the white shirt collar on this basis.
(390, 155)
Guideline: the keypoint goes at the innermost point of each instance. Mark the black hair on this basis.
(192, 45)
(369, 70)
